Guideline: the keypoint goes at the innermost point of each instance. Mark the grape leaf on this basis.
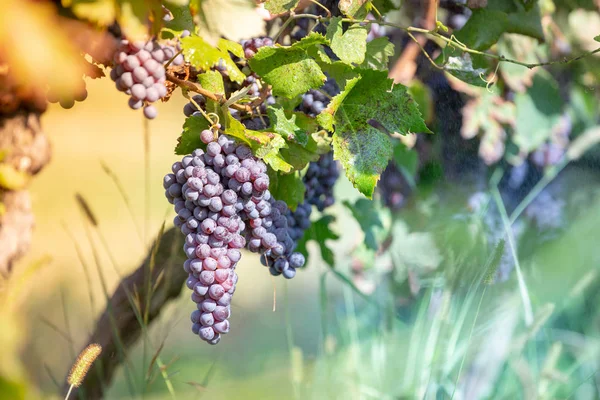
(290, 70)
(286, 127)
(214, 19)
(462, 68)
(190, 137)
(213, 81)
(320, 232)
(378, 53)
(364, 113)
(597, 38)
(341, 72)
(355, 8)
(203, 56)
(280, 6)
(486, 25)
(538, 111)
(349, 46)
(234, 47)
(368, 217)
(270, 152)
(287, 187)
(182, 18)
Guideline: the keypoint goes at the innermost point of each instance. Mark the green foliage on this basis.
(290, 70)
(190, 137)
(320, 231)
(350, 46)
(203, 56)
(213, 81)
(378, 53)
(370, 220)
(538, 111)
(364, 114)
(462, 68)
(287, 187)
(286, 127)
(486, 25)
(280, 6)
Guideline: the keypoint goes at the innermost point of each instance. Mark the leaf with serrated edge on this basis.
(290, 70)
(368, 101)
(349, 46)
(190, 137)
(235, 48)
(379, 51)
(212, 81)
(286, 127)
(203, 56)
(280, 6)
(288, 188)
(320, 232)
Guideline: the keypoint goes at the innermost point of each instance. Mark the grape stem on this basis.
(452, 41)
(194, 87)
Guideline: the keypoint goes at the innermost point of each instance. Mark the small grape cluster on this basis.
(68, 100)
(251, 46)
(393, 187)
(319, 180)
(139, 71)
(223, 204)
(314, 101)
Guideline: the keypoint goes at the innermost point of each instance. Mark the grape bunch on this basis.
(251, 46)
(393, 187)
(68, 100)
(319, 180)
(139, 71)
(314, 101)
(223, 204)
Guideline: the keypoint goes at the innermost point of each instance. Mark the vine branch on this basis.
(194, 87)
(452, 41)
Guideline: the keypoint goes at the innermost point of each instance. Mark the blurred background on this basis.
(483, 283)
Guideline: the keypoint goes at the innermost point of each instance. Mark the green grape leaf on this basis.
(378, 53)
(341, 72)
(368, 217)
(357, 9)
(214, 18)
(538, 111)
(486, 25)
(203, 56)
(286, 127)
(270, 152)
(407, 161)
(213, 81)
(349, 46)
(422, 95)
(462, 68)
(522, 48)
(290, 70)
(280, 6)
(364, 114)
(182, 18)
(190, 137)
(320, 232)
(287, 187)
(234, 47)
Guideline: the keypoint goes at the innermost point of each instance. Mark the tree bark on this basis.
(26, 148)
(119, 327)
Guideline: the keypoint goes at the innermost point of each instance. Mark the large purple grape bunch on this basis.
(223, 204)
(139, 71)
